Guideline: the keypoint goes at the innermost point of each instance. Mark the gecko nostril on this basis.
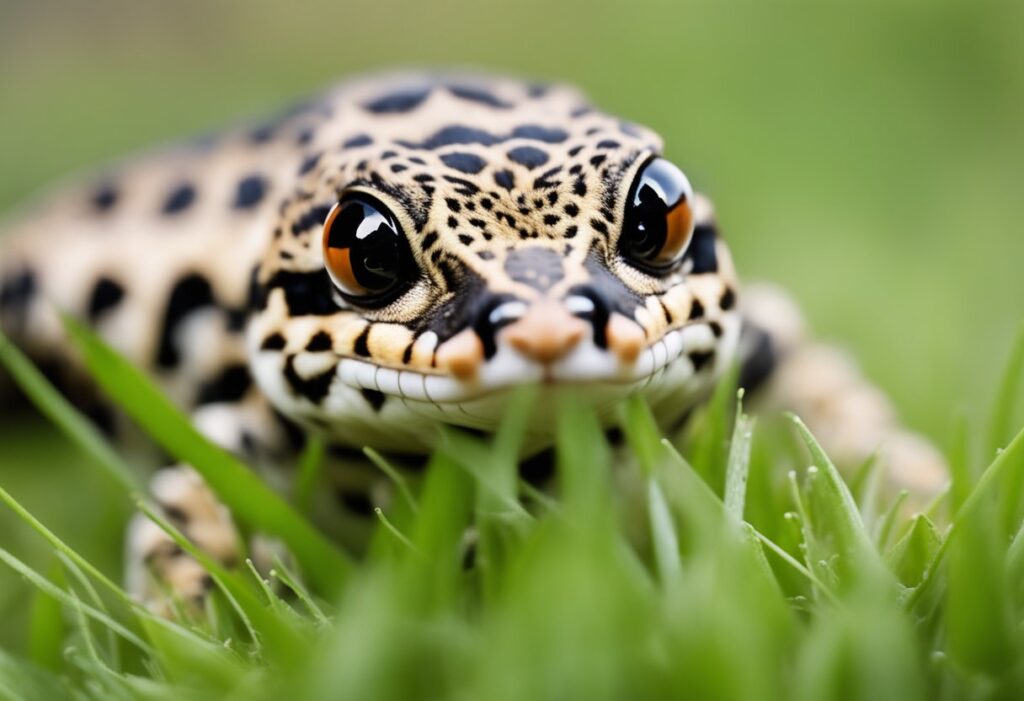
(493, 314)
(587, 303)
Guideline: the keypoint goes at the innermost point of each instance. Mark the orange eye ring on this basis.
(365, 252)
(659, 222)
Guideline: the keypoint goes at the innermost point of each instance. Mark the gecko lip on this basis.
(586, 364)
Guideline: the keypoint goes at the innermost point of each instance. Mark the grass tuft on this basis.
(694, 566)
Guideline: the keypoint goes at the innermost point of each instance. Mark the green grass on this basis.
(729, 576)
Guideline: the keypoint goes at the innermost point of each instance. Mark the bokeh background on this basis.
(867, 155)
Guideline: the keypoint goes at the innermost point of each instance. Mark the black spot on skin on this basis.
(551, 219)
(423, 178)
(361, 346)
(374, 398)
(702, 250)
(461, 135)
(505, 179)
(388, 154)
(469, 163)
(465, 239)
(398, 102)
(448, 272)
(571, 209)
(536, 266)
(237, 319)
(608, 143)
(465, 187)
(305, 293)
(599, 226)
(417, 160)
(250, 191)
(452, 136)
(478, 95)
(179, 199)
(315, 388)
(716, 329)
(407, 353)
(274, 341)
(191, 293)
(598, 316)
(552, 199)
(665, 310)
(428, 240)
(303, 137)
(311, 218)
(728, 300)
(486, 203)
(399, 168)
(453, 204)
(598, 160)
(528, 156)
(630, 130)
(229, 386)
(357, 141)
(321, 341)
(452, 222)
(700, 359)
(575, 151)
(309, 163)
(579, 187)
(485, 255)
(104, 197)
(570, 231)
(549, 135)
(106, 294)
(263, 133)
(696, 309)
(581, 111)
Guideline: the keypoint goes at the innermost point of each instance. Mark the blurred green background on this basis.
(868, 156)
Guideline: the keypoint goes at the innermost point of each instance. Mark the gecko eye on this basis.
(365, 251)
(658, 224)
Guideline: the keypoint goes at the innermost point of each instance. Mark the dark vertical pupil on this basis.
(649, 225)
(375, 259)
(377, 255)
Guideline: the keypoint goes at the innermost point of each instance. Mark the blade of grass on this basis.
(52, 590)
(1010, 457)
(55, 407)
(310, 463)
(250, 500)
(1002, 423)
(46, 626)
(663, 535)
(858, 558)
(61, 547)
(738, 462)
(263, 625)
(394, 475)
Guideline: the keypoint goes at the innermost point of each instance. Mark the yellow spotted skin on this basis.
(204, 263)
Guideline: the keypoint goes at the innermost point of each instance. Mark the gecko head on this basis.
(467, 239)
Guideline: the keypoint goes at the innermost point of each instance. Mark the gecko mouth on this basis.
(585, 365)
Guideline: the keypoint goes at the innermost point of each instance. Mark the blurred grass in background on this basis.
(866, 155)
